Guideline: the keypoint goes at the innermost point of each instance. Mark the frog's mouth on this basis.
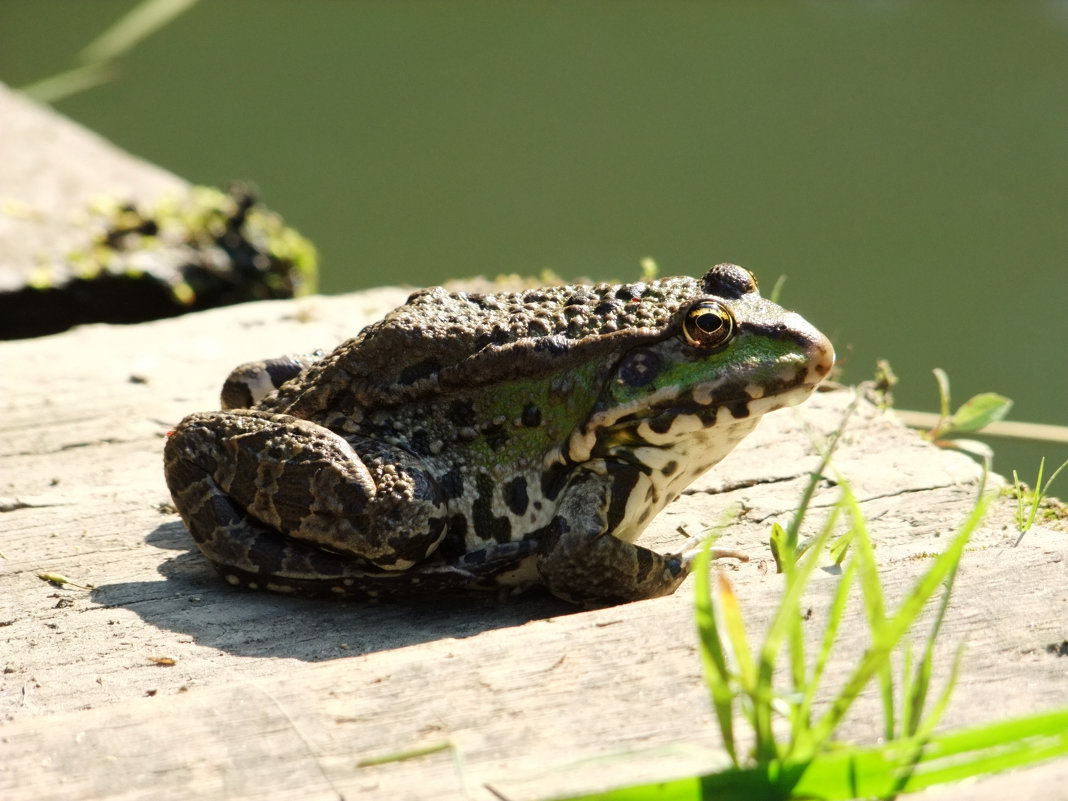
(727, 407)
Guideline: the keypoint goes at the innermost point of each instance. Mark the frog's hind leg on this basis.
(246, 553)
(251, 382)
(251, 485)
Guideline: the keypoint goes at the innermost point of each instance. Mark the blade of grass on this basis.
(943, 395)
(734, 625)
(884, 640)
(65, 84)
(988, 749)
(1040, 491)
(794, 529)
(787, 624)
(927, 725)
(800, 741)
(874, 602)
(1020, 496)
(916, 694)
(717, 676)
(1036, 494)
(133, 27)
(879, 772)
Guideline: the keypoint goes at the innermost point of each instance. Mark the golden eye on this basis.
(708, 325)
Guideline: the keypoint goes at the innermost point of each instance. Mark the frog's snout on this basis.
(819, 349)
(822, 359)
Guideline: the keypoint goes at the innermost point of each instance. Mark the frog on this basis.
(489, 441)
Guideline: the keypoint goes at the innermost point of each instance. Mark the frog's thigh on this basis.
(301, 480)
(585, 564)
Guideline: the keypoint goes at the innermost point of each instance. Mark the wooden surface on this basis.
(281, 697)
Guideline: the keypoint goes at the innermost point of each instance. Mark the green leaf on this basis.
(979, 412)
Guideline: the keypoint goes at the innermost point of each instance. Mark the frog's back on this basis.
(470, 339)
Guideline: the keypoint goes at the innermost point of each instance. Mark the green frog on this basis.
(480, 441)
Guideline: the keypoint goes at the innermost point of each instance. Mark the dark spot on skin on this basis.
(435, 528)
(458, 526)
(515, 495)
(414, 372)
(537, 328)
(500, 335)
(496, 436)
(579, 299)
(645, 564)
(661, 424)
(739, 410)
(475, 557)
(487, 526)
(574, 311)
(460, 413)
(650, 494)
(531, 417)
(554, 346)
(624, 477)
(553, 480)
(220, 511)
(451, 484)
(454, 545)
(644, 515)
(607, 307)
(640, 368)
(548, 536)
(419, 442)
(670, 468)
(629, 292)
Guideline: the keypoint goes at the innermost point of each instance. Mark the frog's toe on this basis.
(697, 544)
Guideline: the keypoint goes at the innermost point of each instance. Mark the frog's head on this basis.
(726, 357)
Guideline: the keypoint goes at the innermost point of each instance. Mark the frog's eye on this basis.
(708, 325)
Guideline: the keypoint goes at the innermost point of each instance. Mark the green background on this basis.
(904, 164)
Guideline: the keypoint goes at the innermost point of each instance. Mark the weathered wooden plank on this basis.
(271, 693)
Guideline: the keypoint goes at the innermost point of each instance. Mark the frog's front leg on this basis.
(249, 483)
(582, 562)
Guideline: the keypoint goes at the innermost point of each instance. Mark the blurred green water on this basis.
(904, 164)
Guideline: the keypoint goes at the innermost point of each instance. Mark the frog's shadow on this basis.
(194, 601)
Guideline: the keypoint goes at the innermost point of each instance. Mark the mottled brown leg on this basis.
(299, 481)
